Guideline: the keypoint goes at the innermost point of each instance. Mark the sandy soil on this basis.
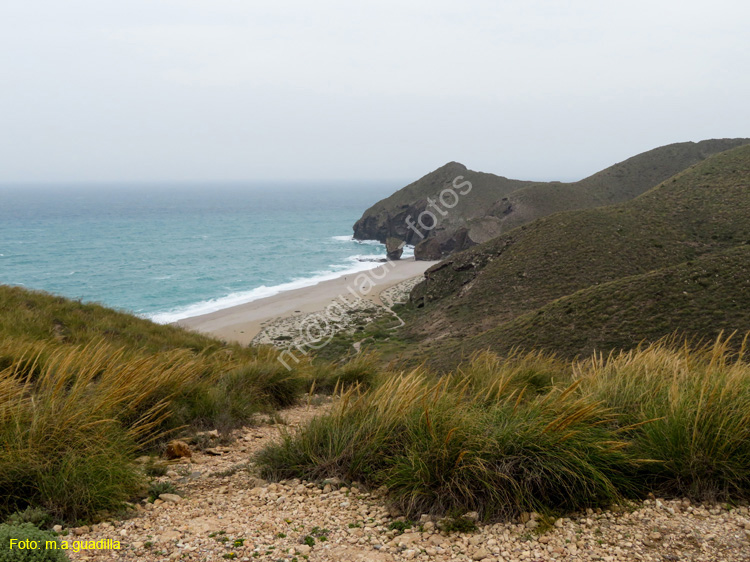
(242, 323)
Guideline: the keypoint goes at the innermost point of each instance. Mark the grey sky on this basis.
(238, 89)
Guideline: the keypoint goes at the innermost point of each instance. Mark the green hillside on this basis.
(616, 184)
(40, 316)
(699, 299)
(702, 210)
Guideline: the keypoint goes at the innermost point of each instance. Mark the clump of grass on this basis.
(532, 434)
(533, 373)
(157, 488)
(362, 369)
(64, 450)
(687, 412)
(439, 447)
(230, 399)
(280, 386)
(72, 418)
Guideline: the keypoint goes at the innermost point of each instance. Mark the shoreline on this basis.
(243, 323)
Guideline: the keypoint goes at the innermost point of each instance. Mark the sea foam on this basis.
(357, 264)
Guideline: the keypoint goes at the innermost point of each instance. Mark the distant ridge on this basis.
(497, 204)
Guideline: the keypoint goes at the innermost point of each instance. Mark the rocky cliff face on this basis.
(454, 208)
(390, 216)
(443, 212)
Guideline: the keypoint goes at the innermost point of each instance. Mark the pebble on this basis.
(228, 513)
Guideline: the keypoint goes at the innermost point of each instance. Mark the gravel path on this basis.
(226, 513)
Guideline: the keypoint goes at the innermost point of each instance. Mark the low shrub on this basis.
(156, 488)
(457, 525)
(10, 551)
(34, 515)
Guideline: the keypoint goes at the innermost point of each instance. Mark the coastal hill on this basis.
(699, 299)
(672, 259)
(496, 204)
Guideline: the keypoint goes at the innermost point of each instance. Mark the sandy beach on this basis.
(244, 322)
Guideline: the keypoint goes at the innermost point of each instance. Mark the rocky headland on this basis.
(454, 208)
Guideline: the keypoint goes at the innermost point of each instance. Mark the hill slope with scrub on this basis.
(599, 278)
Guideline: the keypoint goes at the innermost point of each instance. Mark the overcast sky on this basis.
(173, 90)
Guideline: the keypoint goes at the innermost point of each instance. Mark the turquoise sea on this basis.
(166, 252)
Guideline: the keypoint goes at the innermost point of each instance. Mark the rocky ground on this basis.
(227, 513)
(399, 294)
(301, 328)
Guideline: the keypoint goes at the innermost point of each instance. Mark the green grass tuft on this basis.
(442, 447)
(687, 412)
(532, 433)
(155, 489)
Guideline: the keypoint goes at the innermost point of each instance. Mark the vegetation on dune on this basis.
(72, 418)
(535, 433)
(361, 370)
(689, 411)
(39, 316)
(84, 389)
(497, 438)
